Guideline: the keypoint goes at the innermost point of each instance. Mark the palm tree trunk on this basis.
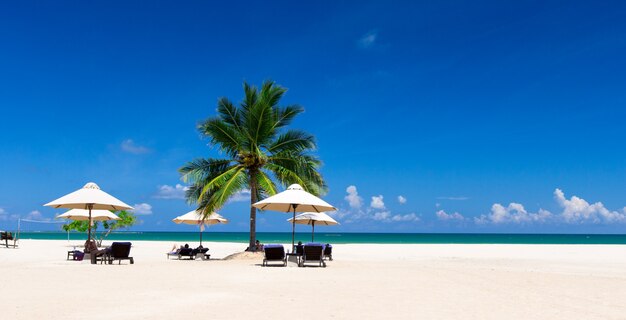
(253, 200)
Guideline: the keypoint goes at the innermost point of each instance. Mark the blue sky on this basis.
(484, 116)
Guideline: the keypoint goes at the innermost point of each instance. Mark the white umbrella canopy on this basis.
(82, 214)
(89, 197)
(296, 199)
(195, 217)
(312, 219)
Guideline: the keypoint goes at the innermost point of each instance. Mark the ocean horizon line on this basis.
(345, 237)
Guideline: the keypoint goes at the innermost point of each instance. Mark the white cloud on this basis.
(368, 39)
(410, 217)
(513, 213)
(169, 192)
(381, 215)
(461, 198)
(142, 209)
(401, 199)
(339, 214)
(129, 146)
(376, 211)
(577, 210)
(4, 215)
(386, 216)
(35, 215)
(442, 215)
(240, 196)
(377, 202)
(353, 198)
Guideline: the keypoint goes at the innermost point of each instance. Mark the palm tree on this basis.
(259, 153)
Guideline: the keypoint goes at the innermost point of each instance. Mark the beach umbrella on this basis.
(195, 217)
(89, 197)
(312, 219)
(82, 214)
(294, 199)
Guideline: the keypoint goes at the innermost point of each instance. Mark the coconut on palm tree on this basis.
(259, 153)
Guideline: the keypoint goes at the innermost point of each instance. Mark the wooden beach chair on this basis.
(204, 253)
(193, 253)
(274, 253)
(313, 253)
(328, 252)
(120, 251)
(199, 252)
(8, 236)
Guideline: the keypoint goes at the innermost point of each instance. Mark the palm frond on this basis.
(251, 96)
(285, 115)
(221, 134)
(216, 193)
(293, 141)
(259, 123)
(266, 186)
(200, 169)
(297, 168)
(229, 113)
(192, 194)
(271, 93)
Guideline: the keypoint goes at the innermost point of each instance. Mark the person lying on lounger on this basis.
(175, 249)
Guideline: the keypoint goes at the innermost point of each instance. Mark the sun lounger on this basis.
(6, 236)
(204, 254)
(102, 255)
(274, 253)
(120, 251)
(201, 253)
(75, 255)
(313, 253)
(191, 253)
(328, 252)
(172, 254)
(186, 252)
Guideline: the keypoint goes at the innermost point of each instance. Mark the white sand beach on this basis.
(421, 281)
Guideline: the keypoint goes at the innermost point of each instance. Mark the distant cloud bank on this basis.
(375, 212)
(442, 215)
(575, 210)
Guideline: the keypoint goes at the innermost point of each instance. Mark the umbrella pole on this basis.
(293, 229)
(313, 232)
(89, 227)
(200, 236)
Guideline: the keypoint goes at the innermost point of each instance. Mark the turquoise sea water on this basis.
(285, 237)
